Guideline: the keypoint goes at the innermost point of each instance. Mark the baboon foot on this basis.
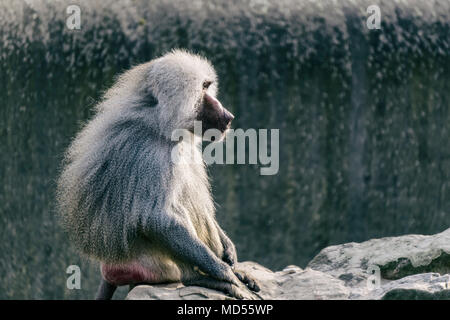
(229, 257)
(247, 280)
(105, 290)
(226, 287)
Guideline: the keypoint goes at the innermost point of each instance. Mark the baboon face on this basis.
(183, 87)
(211, 112)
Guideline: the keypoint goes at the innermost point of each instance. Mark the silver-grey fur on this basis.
(125, 202)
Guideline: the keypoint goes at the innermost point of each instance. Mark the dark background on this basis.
(363, 118)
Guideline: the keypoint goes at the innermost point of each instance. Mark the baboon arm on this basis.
(174, 234)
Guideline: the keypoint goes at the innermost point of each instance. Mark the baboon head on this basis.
(181, 88)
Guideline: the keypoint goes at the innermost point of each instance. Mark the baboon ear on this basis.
(150, 100)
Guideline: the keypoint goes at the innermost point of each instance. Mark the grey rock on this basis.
(416, 287)
(405, 267)
(288, 284)
(395, 257)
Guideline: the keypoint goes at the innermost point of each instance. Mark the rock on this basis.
(392, 258)
(290, 283)
(405, 267)
(417, 287)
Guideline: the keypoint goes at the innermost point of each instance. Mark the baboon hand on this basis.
(247, 279)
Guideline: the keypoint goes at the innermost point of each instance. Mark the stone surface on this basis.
(405, 267)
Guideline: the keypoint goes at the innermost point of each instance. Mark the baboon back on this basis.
(113, 186)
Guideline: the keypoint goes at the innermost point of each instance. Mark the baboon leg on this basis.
(105, 290)
(185, 245)
(226, 287)
(229, 250)
(230, 257)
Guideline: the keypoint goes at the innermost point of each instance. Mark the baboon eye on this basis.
(150, 100)
(206, 84)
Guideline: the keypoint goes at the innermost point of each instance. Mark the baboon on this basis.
(125, 203)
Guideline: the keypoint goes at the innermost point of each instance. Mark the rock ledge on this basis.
(405, 267)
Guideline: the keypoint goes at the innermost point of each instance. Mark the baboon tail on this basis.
(105, 290)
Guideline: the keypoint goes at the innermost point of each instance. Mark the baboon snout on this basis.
(227, 117)
(214, 115)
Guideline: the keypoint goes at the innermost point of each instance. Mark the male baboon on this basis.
(146, 218)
